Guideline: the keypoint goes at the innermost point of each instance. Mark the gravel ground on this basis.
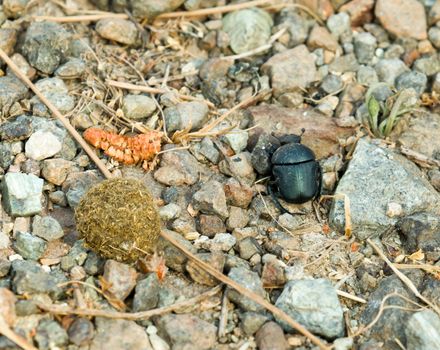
(362, 77)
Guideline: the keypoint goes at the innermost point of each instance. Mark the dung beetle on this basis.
(297, 175)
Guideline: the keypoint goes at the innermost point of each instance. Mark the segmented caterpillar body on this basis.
(125, 149)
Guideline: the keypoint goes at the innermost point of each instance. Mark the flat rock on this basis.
(186, 114)
(146, 295)
(178, 168)
(187, 331)
(138, 106)
(374, 178)
(152, 8)
(119, 334)
(56, 170)
(320, 37)
(77, 184)
(121, 277)
(45, 45)
(321, 135)
(290, 70)
(315, 305)
(47, 227)
(271, 337)
(55, 90)
(16, 130)
(22, 194)
(211, 199)
(423, 331)
(402, 18)
(389, 69)
(249, 280)
(42, 145)
(422, 135)
(11, 90)
(117, 29)
(29, 246)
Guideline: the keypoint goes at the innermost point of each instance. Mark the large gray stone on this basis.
(375, 178)
(22, 194)
(314, 304)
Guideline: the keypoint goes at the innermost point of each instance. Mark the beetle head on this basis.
(290, 138)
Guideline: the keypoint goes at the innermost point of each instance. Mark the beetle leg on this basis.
(275, 198)
(319, 179)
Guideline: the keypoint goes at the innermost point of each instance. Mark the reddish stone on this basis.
(323, 8)
(402, 18)
(237, 194)
(271, 337)
(360, 11)
(210, 225)
(322, 134)
(320, 37)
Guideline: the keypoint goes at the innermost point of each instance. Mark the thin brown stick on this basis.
(247, 293)
(419, 158)
(134, 316)
(214, 10)
(79, 18)
(341, 293)
(402, 277)
(12, 336)
(78, 138)
(223, 320)
(150, 90)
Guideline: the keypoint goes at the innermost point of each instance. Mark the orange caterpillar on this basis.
(125, 149)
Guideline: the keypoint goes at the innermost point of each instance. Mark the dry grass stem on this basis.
(223, 321)
(419, 158)
(150, 90)
(80, 18)
(403, 278)
(351, 297)
(213, 10)
(247, 293)
(134, 316)
(78, 138)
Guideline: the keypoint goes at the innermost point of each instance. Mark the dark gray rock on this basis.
(378, 176)
(94, 264)
(393, 321)
(78, 183)
(47, 227)
(5, 266)
(429, 65)
(314, 304)
(423, 331)
(420, 231)
(5, 155)
(50, 334)
(331, 83)
(343, 64)
(364, 47)
(28, 277)
(297, 26)
(16, 130)
(248, 247)
(175, 259)
(29, 246)
(45, 45)
(389, 69)
(76, 256)
(252, 321)
(11, 91)
(81, 331)
(249, 280)
(211, 199)
(412, 79)
(146, 295)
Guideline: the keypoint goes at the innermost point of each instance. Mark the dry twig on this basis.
(403, 278)
(80, 18)
(419, 158)
(14, 337)
(135, 316)
(78, 138)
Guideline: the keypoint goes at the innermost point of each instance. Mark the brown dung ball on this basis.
(117, 216)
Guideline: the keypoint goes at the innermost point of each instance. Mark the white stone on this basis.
(42, 145)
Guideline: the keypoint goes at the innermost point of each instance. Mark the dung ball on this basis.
(116, 217)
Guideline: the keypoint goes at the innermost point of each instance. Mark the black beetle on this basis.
(297, 176)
